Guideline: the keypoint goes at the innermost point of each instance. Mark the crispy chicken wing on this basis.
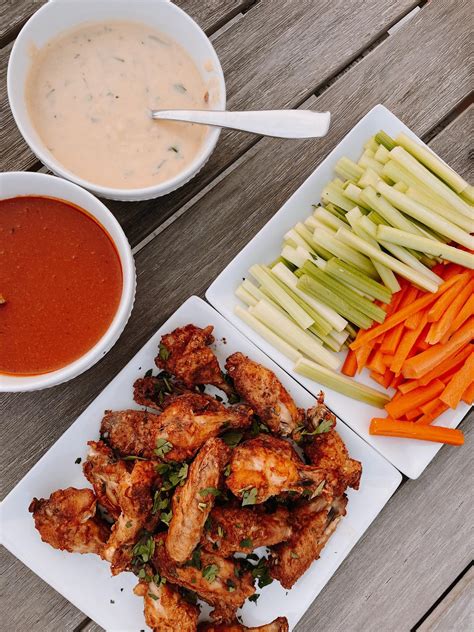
(328, 451)
(165, 609)
(264, 392)
(193, 502)
(157, 392)
(313, 525)
(105, 473)
(279, 625)
(242, 530)
(67, 521)
(135, 499)
(185, 353)
(267, 466)
(218, 581)
(181, 429)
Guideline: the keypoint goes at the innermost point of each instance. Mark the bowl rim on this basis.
(124, 194)
(96, 208)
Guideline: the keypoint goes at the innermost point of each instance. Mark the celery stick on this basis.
(372, 144)
(400, 186)
(341, 383)
(293, 236)
(423, 214)
(348, 169)
(328, 219)
(266, 333)
(387, 211)
(310, 223)
(401, 156)
(432, 162)
(291, 280)
(266, 280)
(468, 194)
(396, 173)
(353, 192)
(385, 140)
(397, 266)
(244, 296)
(336, 196)
(350, 275)
(342, 251)
(295, 256)
(371, 163)
(382, 155)
(336, 211)
(307, 237)
(294, 335)
(422, 244)
(440, 208)
(307, 284)
(369, 178)
(364, 305)
(258, 295)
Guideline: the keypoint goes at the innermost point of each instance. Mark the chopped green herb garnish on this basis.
(195, 560)
(233, 398)
(131, 457)
(230, 585)
(144, 549)
(166, 516)
(294, 555)
(163, 352)
(210, 572)
(162, 447)
(260, 573)
(78, 460)
(128, 524)
(152, 596)
(246, 543)
(232, 438)
(149, 373)
(227, 470)
(175, 149)
(249, 496)
(220, 531)
(254, 597)
(210, 491)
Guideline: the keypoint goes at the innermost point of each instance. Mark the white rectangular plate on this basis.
(410, 456)
(85, 579)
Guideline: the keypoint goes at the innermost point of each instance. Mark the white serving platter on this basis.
(85, 579)
(410, 456)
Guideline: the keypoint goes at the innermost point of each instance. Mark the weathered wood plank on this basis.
(13, 14)
(272, 58)
(456, 611)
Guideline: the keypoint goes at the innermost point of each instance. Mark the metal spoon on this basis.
(278, 123)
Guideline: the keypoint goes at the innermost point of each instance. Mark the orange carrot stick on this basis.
(427, 407)
(396, 381)
(468, 395)
(350, 364)
(376, 362)
(410, 385)
(453, 392)
(414, 399)
(411, 430)
(392, 338)
(451, 270)
(407, 343)
(434, 413)
(400, 315)
(446, 366)
(443, 302)
(413, 414)
(420, 364)
(466, 311)
(441, 328)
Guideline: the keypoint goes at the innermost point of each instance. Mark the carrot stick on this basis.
(392, 338)
(427, 407)
(387, 359)
(446, 366)
(413, 414)
(466, 311)
(400, 315)
(415, 399)
(451, 270)
(350, 364)
(410, 385)
(407, 343)
(376, 362)
(441, 328)
(468, 395)
(413, 321)
(434, 413)
(441, 305)
(412, 430)
(420, 364)
(396, 381)
(363, 353)
(453, 392)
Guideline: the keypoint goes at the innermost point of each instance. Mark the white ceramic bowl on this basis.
(25, 183)
(55, 17)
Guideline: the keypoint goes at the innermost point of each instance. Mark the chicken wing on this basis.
(264, 392)
(234, 530)
(135, 499)
(157, 392)
(267, 466)
(313, 525)
(328, 451)
(165, 609)
(105, 473)
(220, 582)
(279, 625)
(175, 435)
(67, 521)
(193, 501)
(185, 353)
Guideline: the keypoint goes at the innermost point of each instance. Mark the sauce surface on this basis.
(89, 92)
(61, 280)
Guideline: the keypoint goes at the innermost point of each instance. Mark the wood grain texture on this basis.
(13, 14)
(271, 58)
(456, 611)
(168, 272)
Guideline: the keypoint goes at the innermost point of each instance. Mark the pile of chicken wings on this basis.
(184, 485)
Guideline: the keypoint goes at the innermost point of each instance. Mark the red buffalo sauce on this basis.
(60, 283)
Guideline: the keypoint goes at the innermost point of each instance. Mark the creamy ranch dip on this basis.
(88, 94)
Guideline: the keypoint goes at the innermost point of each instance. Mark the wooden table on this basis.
(411, 570)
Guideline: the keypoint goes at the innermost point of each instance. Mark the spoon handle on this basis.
(278, 123)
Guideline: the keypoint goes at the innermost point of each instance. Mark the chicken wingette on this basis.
(165, 609)
(261, 388)
(193, 501)
(177, 433)
(267, 466)
(67, 521)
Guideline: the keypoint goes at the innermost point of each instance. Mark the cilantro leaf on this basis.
(249, 496)
(210, 572)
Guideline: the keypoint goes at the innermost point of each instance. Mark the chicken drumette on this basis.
(193, 502)
(313, 525)
(178, 433)
(165, 609)
(220, 582)
(157, 392)
(267, 466)
(264, 392)
(67, 521)
(279, 625)
(185, 353)
(233, 529)
(327, 450)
